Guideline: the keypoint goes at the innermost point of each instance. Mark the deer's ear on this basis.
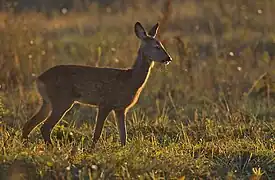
(140, 31)
(153, 32)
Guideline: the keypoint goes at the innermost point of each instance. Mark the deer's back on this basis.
(90, 85)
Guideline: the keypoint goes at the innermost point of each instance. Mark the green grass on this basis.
(196, 118)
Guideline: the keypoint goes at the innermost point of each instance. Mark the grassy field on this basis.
(208, 115)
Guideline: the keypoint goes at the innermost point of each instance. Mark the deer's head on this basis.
(152, 48)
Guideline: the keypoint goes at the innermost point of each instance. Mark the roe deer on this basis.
(106, 88)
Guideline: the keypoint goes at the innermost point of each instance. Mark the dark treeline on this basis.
(48, 6)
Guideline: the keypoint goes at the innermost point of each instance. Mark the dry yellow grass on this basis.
(194, 119)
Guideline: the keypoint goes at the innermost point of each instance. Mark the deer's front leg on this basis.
(120, 116)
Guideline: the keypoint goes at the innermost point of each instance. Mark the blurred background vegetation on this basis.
(209, 114)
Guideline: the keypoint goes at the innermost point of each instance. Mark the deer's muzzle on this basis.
(167, 61)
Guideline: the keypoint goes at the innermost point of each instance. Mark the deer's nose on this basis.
(167, 60)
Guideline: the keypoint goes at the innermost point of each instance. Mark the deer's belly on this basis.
(113, 99)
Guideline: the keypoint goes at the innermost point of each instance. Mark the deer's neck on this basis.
(141, 70)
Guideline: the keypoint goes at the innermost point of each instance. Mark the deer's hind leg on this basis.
(41, 114)
(39, 117)
(59, 108)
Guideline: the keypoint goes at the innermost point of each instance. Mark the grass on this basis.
(208, 115)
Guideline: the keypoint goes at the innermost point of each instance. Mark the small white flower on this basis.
(239, 68)
(94, 167)
(260, 11)
(64, 10)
